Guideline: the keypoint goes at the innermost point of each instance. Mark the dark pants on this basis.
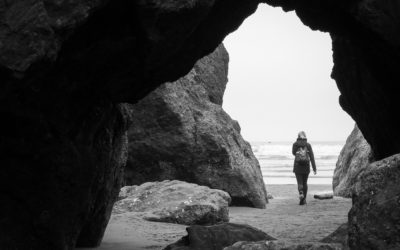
(302, 183)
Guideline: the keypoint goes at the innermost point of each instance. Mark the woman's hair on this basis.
(302, 135)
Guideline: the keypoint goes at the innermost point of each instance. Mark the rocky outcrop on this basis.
(374, 218)
(353, 159)
(280, 245)
(69, 180)
(217, 237)
(180, 131)
(65, 66)
(175, 202)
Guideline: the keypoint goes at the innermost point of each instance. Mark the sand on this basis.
(283, 219)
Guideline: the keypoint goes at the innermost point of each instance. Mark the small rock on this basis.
(323, 196)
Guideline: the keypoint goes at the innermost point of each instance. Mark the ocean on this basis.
(276, 161)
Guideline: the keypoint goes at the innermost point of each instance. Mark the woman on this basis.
(303, 154)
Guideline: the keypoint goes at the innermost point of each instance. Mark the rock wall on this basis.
(355, 156)
(58, 191)
(180, 131)
(374, 218)
(65, 66)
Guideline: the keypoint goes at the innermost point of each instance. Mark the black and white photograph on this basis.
(199, 125)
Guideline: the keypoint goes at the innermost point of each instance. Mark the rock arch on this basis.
(65, 66)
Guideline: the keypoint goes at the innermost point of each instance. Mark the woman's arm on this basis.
(312, 157)
(294, 149)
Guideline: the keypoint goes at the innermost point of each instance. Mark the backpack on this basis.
(302, 155)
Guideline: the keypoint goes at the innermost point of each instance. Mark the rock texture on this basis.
(59, 192)
(180, 131)
(355, 156)
(279, 245)
(374, 219)
(65, 66)
(175, 202)
(217, 237)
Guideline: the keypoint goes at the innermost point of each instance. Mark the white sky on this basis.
(279, 80)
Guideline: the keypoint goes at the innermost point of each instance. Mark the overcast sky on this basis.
(279, 80)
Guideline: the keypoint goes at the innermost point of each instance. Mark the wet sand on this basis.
(283, 219)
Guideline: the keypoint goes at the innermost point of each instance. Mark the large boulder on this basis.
(374, 219)
(353, 159)
(175, 202)
(217, 237)
(60, 192)
(280, 245)
(180, 131)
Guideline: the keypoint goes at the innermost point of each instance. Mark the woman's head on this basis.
(302, 135)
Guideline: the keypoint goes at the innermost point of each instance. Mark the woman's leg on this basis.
(305, 185)
(300, 186)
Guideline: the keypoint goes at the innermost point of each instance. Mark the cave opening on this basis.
(62, 156)
(266, 76)
(280, 84)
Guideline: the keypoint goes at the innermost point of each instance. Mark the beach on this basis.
(283, 219)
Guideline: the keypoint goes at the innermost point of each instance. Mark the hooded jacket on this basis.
(303, 168)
